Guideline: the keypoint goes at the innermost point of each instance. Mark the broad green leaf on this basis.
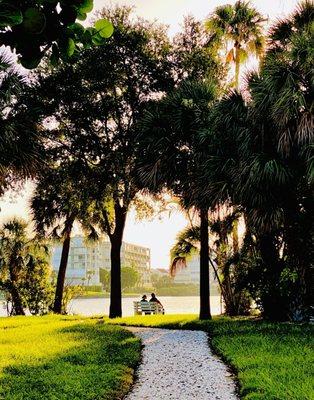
(104, 28)
(71, 47)
(81, 15)
(77, 29)
(34, 20)
(10, 15)
(87, 36)
(86, 6)
(97, 39)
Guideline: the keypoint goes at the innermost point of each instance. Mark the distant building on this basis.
(191, 274)
(137, 257)
(85, 260)
(160, 272)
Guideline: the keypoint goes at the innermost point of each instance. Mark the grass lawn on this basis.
(273, 361)
(58, 358)
(92, 295)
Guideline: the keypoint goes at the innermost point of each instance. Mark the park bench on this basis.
(147, 307)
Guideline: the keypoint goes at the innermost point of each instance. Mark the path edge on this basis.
(230, 367)
(137, 365)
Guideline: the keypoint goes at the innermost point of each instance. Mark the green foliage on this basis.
(262, 163)
(172, 143)
(266, 356)
(96, 103)
(61, 194)
(194, 55)
(161, 281)
(32, 28)
(129, 277)
(93, 288)
(225, 260)
(59, 357)
(104, 28)
(179, 290)
(70, 292)
(187, 243)
(242, 26)
(37, 289)
(20, 143)
(104, 277)
(25, 274)
(61, 198)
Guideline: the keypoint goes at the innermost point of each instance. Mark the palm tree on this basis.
(96, 102)
(171, 154)
(20, 256)
(62, 197)
(263, 162)
(13, 252)
(284, 92)
(19, 140)
(242, 26)
(224, 258)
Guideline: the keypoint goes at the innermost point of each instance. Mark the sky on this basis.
(171, 12)
(158, 234)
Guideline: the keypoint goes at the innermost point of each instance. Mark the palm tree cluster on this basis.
(24, 270)
(252, 151)
(260, 154)
(225, 256)
(19, 141)
(238, 30)
(143, 113)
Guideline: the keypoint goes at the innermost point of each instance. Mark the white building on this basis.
(85, 260)
(191, 274)
(160, 272)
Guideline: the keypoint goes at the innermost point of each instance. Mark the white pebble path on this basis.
(179, 365)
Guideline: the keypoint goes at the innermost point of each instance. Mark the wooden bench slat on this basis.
(144, 306)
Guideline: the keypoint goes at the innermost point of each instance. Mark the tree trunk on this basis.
(17, 304)
(237, 66)
(204, 267)
(235, 237)
(273, 305)
(57, 307)
(298, 237)
(115, 309)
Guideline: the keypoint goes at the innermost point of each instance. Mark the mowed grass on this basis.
(272, 361)
(65, 358)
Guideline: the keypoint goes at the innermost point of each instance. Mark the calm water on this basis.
(172, 305)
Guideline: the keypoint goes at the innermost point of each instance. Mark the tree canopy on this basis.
(34, 28)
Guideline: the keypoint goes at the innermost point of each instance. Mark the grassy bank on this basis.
(273, 361)
(62, 358)
(106, 295)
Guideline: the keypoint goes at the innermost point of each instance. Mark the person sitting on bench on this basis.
(155, 300)
(144, 300)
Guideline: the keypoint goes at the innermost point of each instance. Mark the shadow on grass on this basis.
(100, 366)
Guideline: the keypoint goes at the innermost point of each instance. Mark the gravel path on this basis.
(179, 365)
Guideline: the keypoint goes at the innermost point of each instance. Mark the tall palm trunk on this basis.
(115, 309)
(274, 308)
(298, 236)
(17, 304)
(57, 307)
(235, 237)
(237, 65)
(204, 267)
